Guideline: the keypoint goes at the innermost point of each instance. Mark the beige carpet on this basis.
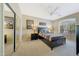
(39, 48)
(8, 49)
(69, 49)
(32, 48)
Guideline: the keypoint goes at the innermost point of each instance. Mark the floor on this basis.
(69, 49)
(39, 48)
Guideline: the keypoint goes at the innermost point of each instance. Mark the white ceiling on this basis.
(6, 8)
(50, 11)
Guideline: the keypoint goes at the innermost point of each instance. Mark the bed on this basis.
(49, 38)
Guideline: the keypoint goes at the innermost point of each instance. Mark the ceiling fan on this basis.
(51, 11)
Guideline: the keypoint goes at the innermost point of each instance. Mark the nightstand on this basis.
(34, 36)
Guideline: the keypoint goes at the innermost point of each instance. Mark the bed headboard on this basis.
(40, 29)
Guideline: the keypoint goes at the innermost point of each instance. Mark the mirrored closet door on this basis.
(9, 30)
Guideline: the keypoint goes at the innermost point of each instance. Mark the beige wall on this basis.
(56, 24)
(27, 33)
(77, 19)
(1, 29)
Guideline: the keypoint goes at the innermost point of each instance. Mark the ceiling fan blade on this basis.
(54, 11)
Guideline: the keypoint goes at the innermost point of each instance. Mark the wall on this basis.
(77, 19)
(55, 26)
(57, 23)
(26, 35)
(1, 29)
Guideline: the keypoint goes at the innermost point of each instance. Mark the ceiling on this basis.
(49, 11)
(6, 8)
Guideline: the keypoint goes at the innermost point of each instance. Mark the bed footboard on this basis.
(57, 41)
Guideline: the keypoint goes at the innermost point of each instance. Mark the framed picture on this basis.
(29, 24)
(9, 22)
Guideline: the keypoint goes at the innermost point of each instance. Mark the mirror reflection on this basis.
(8, 30)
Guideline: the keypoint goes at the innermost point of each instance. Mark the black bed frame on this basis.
(57, 41)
